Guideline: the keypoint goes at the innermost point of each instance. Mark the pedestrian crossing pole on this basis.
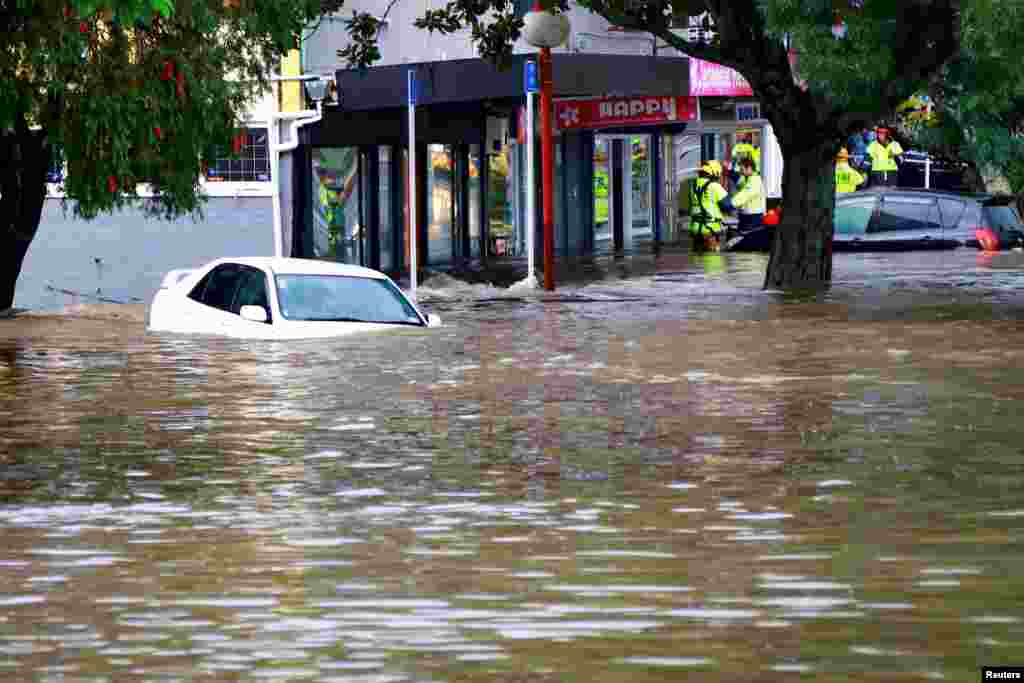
(413, 224)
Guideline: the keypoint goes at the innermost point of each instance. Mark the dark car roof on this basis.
(981, 197)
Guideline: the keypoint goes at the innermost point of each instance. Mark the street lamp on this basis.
(544, 29)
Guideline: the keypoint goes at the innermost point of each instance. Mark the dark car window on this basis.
(998, 216)
(951, 210)
(900, 214)
(252, 291)
(851, 217)
(217, 289)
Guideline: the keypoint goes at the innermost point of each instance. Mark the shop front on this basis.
(620, 161)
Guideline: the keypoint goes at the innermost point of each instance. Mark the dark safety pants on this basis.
(749, 221)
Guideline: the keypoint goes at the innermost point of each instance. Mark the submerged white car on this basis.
(281, 298)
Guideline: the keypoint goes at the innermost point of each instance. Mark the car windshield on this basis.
(343, 298)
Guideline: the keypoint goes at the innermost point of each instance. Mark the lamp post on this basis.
(544, 29)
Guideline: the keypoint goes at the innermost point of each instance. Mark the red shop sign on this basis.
(624, 111)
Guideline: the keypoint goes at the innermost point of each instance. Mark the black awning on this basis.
(470, 80)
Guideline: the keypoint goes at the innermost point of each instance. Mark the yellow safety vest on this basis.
(749, 197)
(704, 209)
(847, 179)
(883, 158)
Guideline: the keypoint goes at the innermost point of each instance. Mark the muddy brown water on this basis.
(672, 475)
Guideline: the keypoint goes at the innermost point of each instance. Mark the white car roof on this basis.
(302, 266)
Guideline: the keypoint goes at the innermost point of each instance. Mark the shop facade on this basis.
(629, 131)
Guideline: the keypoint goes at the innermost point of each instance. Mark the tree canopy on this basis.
(139, 91)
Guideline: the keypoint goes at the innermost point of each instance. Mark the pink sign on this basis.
(708, 79)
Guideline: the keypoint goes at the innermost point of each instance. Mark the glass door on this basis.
(639, 226)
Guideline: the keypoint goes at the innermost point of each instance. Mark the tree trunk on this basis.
(27, 156)
(801, 256)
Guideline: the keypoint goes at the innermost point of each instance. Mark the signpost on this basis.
(531, 85)
(413, 226)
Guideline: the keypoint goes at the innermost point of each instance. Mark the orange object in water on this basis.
(987, 239)
(772, 217)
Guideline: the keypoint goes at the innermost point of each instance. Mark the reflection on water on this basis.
(638, 479)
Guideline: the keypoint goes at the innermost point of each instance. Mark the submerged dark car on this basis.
(899, 219)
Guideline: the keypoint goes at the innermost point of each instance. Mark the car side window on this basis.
(252, 291)
(970, 220)
(852, 217)
(903, 214)
(951, 210)
(218, 287)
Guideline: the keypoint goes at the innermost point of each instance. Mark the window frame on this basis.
(252, 160)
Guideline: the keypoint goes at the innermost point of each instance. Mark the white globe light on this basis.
(544, 29)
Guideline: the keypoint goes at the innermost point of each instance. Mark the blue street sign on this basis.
(413, 88)
(531, 82)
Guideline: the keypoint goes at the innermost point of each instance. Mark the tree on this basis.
(978, 97)
(130, 91)
(891, 49)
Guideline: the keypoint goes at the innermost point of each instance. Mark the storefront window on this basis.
(602, 195)
(336, 222)
(500, 202)
(440, 204)
(387, 227)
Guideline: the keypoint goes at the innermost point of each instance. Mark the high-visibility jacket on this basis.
(883, 157)
(749, 197)
(847, 178)
(328, 201)
(705, 213)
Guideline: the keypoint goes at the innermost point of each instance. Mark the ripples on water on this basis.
(675, 474)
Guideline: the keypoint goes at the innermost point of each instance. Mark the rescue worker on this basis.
(884, 154)
(749, 199)
(847, 178)
(707, 201)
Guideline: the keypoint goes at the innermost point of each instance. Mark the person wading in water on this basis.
(708, 199)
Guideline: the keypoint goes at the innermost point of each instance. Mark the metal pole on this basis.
(275, 190)
(547, 159)
(531, 176)
(928, 159)
(413, 226)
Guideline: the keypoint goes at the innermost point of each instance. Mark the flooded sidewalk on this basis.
(660, 474)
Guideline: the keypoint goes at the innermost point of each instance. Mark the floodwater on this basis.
(673, 475)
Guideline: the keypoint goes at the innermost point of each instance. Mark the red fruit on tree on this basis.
(168, 72)
(112, 184)
(158, 133)
(83, 27)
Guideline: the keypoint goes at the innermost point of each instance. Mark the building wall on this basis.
(402, 43)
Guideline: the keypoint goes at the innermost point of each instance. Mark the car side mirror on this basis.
(433, 320)
(256, 314)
